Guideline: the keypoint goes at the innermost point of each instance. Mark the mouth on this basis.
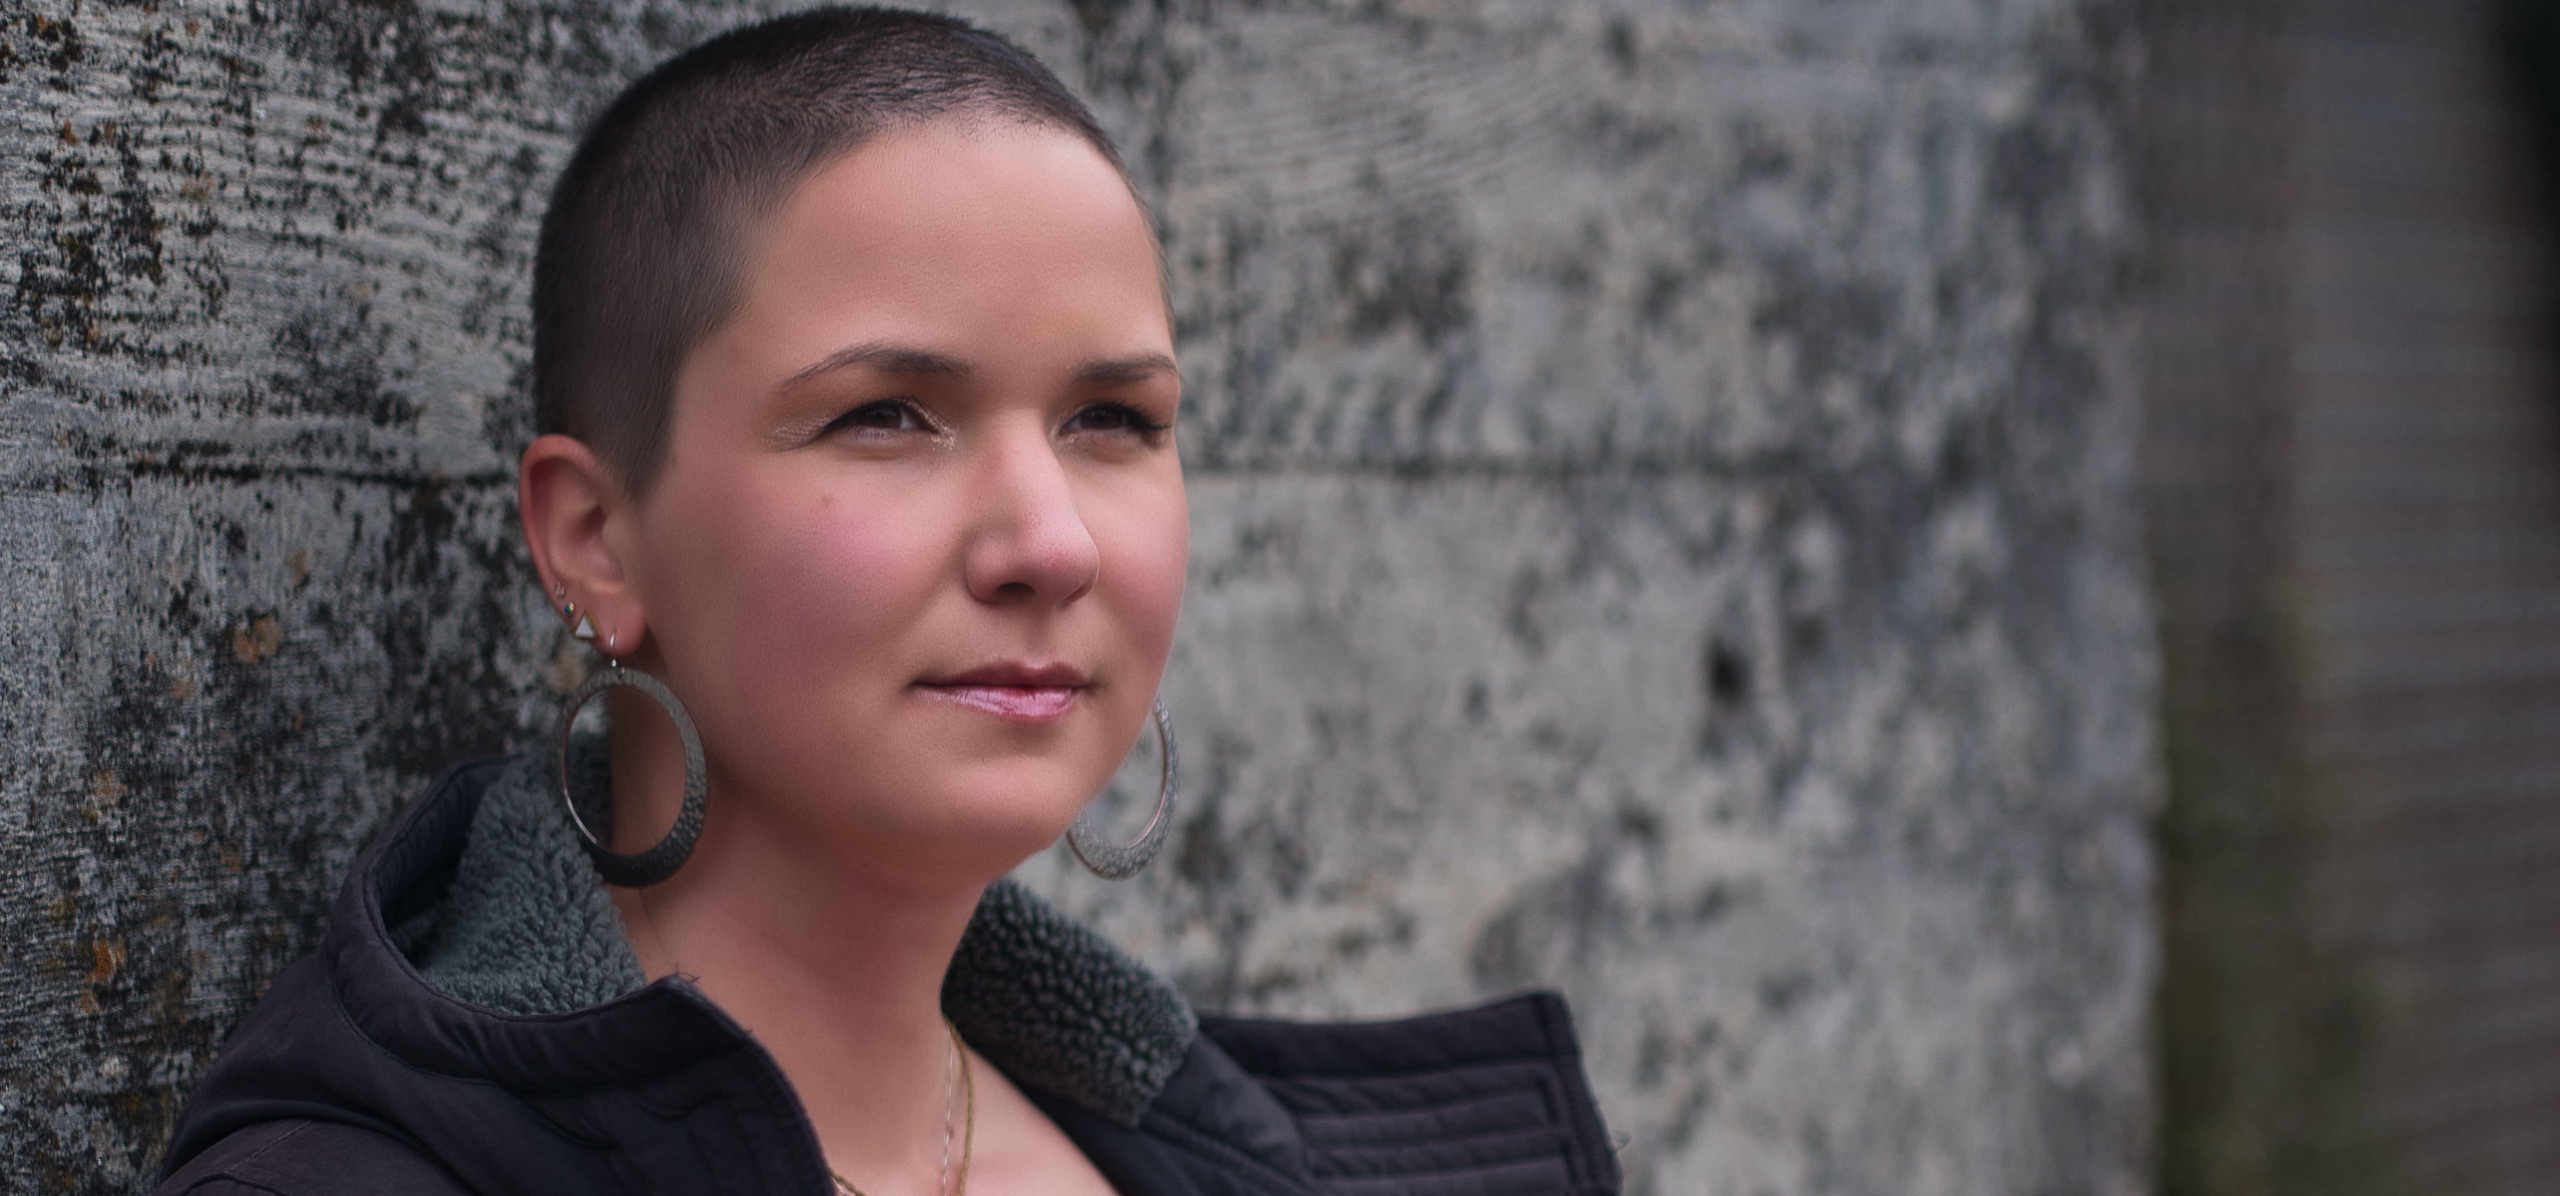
(1012, 691)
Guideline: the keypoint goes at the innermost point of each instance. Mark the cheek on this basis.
(1146, 550)
(803, 582)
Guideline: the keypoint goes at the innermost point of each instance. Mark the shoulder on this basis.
(304, 1157)
(1492, 1099)
(1534, 1029)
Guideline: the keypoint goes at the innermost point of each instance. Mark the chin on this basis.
(982, 824)
(1024, 818)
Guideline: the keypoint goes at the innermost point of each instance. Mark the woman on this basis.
(857, 389)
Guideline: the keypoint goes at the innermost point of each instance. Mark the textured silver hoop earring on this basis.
(661, 861)
(1120, 861)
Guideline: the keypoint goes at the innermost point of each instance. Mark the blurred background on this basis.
(2354, 529)
(1977, 581)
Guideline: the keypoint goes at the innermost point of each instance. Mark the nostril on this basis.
(1014, 589)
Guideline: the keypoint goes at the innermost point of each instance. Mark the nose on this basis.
(1029, 544)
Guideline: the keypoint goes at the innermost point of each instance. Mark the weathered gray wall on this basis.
(1661, 477)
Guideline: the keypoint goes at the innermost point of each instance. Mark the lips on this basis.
(1013, 691)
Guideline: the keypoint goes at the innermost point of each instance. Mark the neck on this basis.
(838, 976)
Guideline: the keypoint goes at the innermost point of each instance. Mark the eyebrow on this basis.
(909, 361)
(888, 359)
(1123, 371)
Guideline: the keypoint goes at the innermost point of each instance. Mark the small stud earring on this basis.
(586, 629)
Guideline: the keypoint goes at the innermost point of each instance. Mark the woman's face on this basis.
(916, 554)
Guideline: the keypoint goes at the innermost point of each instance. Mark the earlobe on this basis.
(567, 502)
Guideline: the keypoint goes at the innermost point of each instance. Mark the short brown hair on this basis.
(640, 250)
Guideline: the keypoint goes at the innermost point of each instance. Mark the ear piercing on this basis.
(586, 626)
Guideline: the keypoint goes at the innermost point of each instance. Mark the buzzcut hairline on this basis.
(644, 247)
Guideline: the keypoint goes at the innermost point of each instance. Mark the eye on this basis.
(885, 415)
(1112, 417)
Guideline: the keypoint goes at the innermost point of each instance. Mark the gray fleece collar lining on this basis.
(527, 928)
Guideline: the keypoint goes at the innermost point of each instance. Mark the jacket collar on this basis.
(653, 1088)
(478, 941)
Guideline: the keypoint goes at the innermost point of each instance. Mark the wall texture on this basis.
(2355, 464)
(2428, 492)
(1663, 529)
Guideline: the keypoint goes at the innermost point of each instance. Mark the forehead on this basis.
(966, 227)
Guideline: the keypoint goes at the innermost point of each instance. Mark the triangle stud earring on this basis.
(586, 628)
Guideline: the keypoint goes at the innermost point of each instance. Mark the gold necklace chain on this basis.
(958, 1186)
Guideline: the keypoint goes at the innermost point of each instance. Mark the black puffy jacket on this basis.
(364, 1068)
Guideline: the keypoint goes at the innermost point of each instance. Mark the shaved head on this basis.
(648, 226)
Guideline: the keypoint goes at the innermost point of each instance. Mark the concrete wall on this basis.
(2355, 462)
(2259, 1081)
(1663, 529)
(2429, 492)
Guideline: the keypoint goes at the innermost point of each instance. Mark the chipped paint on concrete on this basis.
(1662, 514)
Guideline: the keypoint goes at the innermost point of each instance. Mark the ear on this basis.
(575, 519)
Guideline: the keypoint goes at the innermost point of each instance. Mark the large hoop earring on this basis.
(1120, 861)
(659, 862)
